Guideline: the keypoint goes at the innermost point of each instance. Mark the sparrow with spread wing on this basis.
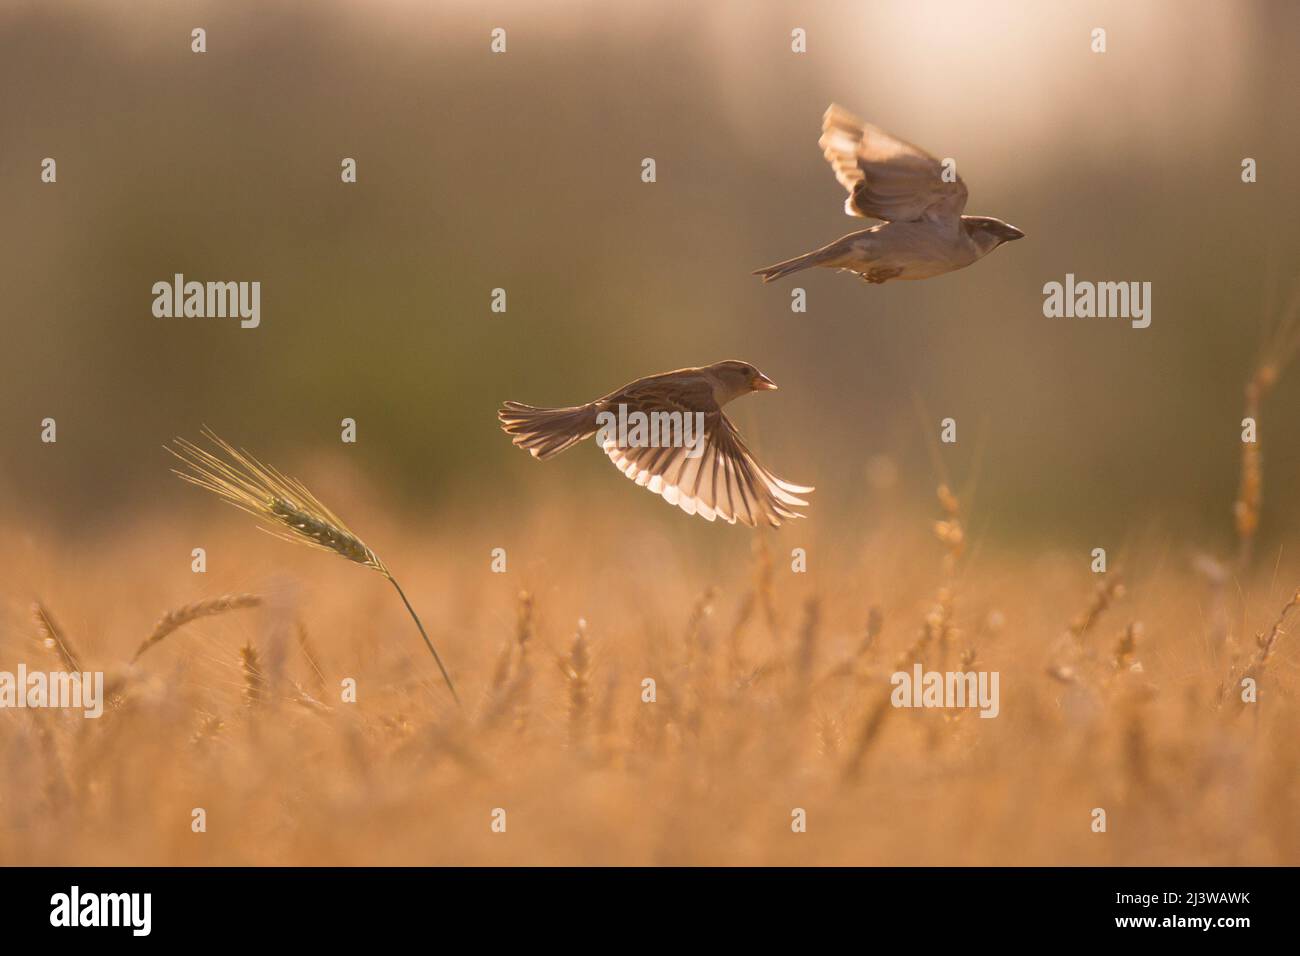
(923, 233)
(716, 478)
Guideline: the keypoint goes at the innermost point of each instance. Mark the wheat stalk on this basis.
(254, 676)
(175, 619)
(286, 509)
(696, 621)
(875, 624)
(577, 673)
(53, 638)
(1246, 507)
(949, 529)
(875, 716)
(867, 735)
(1280, 344)
(1108, 590)
(1265, 643)
(208, 728)
(736, 635)
(305, 646)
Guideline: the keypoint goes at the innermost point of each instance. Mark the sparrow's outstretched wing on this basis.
(722, 480)
(886, 177)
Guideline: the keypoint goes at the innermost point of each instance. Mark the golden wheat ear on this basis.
(175, 619)
(285, 508)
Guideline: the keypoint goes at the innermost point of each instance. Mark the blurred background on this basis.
(522, 171)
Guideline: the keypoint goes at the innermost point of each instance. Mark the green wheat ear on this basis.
(286, 508)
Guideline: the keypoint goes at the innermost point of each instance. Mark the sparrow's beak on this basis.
(1009, 233)
(762, 383)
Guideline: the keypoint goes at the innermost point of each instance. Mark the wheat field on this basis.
(1118, 691)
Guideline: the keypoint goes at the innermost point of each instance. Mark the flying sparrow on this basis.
(923, 234)
(680, 444)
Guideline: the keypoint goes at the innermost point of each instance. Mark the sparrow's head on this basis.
(988, 233)
(731, 379)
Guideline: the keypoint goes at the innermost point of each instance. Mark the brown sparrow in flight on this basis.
(920, 200)
(668, 433)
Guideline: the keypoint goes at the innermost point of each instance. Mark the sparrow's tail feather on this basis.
(798, 263)
(546, 432)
